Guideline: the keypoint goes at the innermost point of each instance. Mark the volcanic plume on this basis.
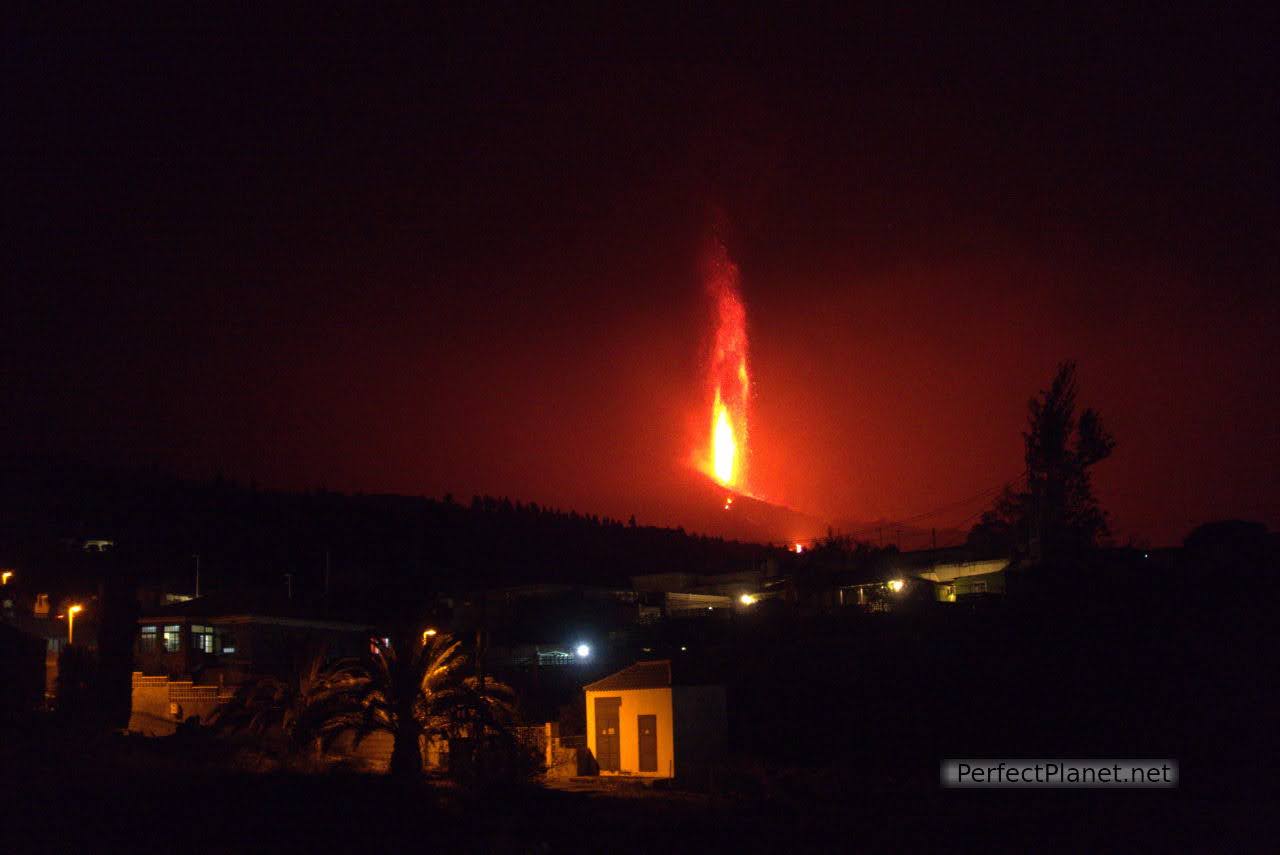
(725, 457)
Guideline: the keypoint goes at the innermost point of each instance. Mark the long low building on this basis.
(970, 577)
(225, 638)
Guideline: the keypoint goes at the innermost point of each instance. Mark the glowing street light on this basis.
(747, 600)
(429, 632)
(71, 623)
(897, 585)
(5, 577)
(583, 651)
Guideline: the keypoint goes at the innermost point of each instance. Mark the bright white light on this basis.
(747, 600)
(584, 650)
(897, 585)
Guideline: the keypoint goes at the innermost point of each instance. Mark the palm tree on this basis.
(426, 691)
(296, 708)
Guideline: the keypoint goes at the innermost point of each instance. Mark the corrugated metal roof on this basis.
(655, 674)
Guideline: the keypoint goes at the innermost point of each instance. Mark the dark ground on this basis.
(129, 794)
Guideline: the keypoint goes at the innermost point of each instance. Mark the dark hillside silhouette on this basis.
(247, 536)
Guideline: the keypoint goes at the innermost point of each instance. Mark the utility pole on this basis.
(197, 558)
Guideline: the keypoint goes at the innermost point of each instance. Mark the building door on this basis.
(607, 741)
(647, 727)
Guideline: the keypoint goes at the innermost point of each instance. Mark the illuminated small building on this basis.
(643, 722)
(968, 578)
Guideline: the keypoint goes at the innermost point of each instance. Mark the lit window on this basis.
(202, 638)
(172, 638)
(147, 639)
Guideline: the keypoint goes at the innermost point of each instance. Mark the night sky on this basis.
(464, 255)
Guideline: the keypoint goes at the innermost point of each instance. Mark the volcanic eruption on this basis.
(721, 454)
(729, 385)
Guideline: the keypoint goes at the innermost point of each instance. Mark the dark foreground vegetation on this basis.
(115, 794)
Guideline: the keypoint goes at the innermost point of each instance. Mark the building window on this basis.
(202, 638)
(172, 638)
(147, 640)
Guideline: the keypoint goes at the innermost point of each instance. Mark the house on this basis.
(190, 654)
(690, 595)
(966, 578)
(650, 720)
(228, 637)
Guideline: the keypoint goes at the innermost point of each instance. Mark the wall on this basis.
(151, 712)
(637, 702)
(702, 722)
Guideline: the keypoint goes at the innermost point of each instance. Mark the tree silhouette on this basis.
(414, 689)
(297, 707)
(1055, 515)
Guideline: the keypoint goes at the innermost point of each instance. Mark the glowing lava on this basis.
(725, 455)
(729, 383)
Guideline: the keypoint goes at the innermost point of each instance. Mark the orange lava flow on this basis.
(725, 458)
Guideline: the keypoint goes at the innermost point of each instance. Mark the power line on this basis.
(987, 492)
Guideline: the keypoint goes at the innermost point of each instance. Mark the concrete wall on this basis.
(154, 698)
(637, 702)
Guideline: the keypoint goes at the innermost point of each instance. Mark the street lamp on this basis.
(747, 600)
(5, 577)
(71, 623)
(583, 651)
(429, 632)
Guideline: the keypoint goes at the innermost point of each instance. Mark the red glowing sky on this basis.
(434, 275)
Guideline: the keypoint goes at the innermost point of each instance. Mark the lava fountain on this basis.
(729, 385)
